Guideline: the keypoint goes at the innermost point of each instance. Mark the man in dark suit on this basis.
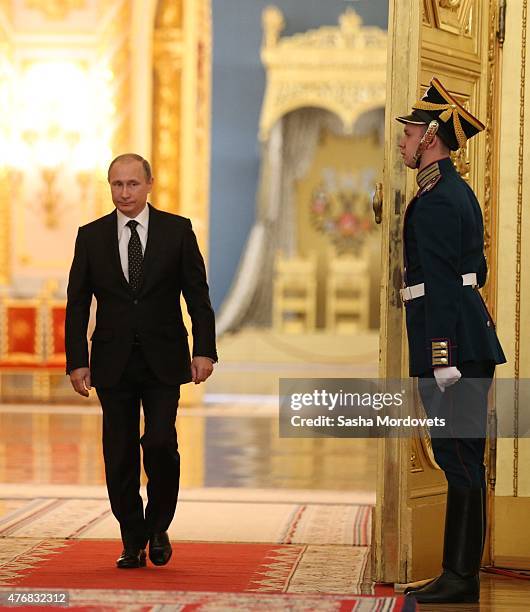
(137, 261)
(453, 346)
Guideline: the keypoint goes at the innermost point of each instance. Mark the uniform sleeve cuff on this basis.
(442, 352)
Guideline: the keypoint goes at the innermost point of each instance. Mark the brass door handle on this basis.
(377, 203)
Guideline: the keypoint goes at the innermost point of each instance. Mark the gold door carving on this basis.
(454, 40)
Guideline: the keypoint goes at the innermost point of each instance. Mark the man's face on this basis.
(409, 142)
(129, 187)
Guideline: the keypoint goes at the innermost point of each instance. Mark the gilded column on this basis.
(181, 118)
(167, 105)
(5, 179)
(201, 198)
(5, 224)
(181, 111)
(115, 54)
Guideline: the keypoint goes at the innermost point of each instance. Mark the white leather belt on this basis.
(416, 291)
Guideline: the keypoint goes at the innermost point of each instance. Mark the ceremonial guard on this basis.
(453, 345)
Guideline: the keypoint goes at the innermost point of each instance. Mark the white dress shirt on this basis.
(124, 235)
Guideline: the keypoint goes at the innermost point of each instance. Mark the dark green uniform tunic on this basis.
(443, 239)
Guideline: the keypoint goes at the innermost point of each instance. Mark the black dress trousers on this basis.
(464, 406)
(121, 449)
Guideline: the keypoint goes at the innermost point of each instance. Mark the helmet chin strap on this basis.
(426, 140)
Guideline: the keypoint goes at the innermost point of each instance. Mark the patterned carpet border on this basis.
(330, 524)
(23, 555)
(182, 601)
(325, 524)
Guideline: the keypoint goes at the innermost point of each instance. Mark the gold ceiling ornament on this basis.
(339, 68)
(55, 9)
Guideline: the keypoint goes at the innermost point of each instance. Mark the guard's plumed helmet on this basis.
(456, 125)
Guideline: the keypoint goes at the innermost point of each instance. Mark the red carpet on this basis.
(199, 577)
(82, 564)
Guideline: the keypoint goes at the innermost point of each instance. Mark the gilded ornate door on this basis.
(456, 41)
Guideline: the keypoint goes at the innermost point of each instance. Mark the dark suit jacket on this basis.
(443, 239)
(172, 265)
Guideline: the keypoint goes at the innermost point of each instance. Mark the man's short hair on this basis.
(125, 157)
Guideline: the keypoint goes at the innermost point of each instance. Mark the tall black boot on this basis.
(463, 541)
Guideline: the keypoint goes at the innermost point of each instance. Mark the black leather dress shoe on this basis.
(131, 557)
(159, 548)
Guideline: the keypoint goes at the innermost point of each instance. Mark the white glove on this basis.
(445, 377)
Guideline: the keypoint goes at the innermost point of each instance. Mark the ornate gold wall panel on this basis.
(97, 54)
(341, 69)
(512, 501)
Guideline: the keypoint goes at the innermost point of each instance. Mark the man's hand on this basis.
(80, 379)
(201, 368)
(446, 376)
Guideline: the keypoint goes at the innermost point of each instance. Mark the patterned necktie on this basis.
(136, 258)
